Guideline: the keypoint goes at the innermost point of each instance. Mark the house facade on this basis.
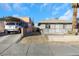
(1, 26)
(54, 26)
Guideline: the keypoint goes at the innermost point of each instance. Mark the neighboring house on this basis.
(55, 26)
(1, 25)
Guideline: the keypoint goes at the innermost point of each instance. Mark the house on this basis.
(1, 26)
(55, 26)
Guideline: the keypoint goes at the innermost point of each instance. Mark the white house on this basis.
(55, 26)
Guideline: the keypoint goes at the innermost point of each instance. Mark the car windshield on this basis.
(10, 24)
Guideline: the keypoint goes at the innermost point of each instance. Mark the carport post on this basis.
(22, 31)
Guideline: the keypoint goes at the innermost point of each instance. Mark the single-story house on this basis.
(55, 26)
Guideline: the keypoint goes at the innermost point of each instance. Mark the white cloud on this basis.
(16, 6)
(68, 15)
(15, 15)
(6, 6)
(56, 9)
(47, 18)
(19, 7)
(32, 4)
(43, 6)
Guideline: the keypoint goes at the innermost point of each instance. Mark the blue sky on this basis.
(37, 11)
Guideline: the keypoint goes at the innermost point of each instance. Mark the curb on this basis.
(19, 39)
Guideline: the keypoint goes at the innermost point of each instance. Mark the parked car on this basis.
(12, 27)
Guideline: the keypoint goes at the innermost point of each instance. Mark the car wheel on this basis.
(19, 31)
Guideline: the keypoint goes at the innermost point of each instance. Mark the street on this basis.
(35, 46)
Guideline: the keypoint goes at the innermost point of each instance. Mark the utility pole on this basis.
(74, 20)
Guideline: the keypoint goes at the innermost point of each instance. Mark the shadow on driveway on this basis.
(32, 34)
(2, 34)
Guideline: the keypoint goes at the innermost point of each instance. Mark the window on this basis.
(47, 26)
(52, 26)
(23, 24)
(10, 24)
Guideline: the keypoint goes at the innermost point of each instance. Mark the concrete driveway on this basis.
(7, 41)
(38, 46)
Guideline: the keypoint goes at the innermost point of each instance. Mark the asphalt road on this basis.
(35, 46)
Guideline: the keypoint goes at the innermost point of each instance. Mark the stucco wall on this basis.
(1, 26)
(56, 28)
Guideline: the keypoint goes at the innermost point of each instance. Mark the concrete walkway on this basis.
(63, 38)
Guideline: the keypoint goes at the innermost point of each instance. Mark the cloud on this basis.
(6, 6)
(15, 15)
(59, 6)
(32, 4)
(20, 7)
(43, 6)
(68, 15)
(56, 9)
(47, 18)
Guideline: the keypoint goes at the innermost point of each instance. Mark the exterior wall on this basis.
(1, 26)
(56, 28)
(42, 26)
(68, 27)
(52, 26)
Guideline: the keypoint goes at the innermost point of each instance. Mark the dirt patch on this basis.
(44, 39)
(34, 39)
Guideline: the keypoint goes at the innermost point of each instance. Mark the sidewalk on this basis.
(70, 39)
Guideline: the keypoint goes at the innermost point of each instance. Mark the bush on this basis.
(70, 32)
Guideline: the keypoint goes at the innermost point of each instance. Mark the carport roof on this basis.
(55, 21)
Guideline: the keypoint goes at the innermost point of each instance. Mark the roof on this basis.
(9, 18)
(55, 21)
(26, 19)
(22, 19)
